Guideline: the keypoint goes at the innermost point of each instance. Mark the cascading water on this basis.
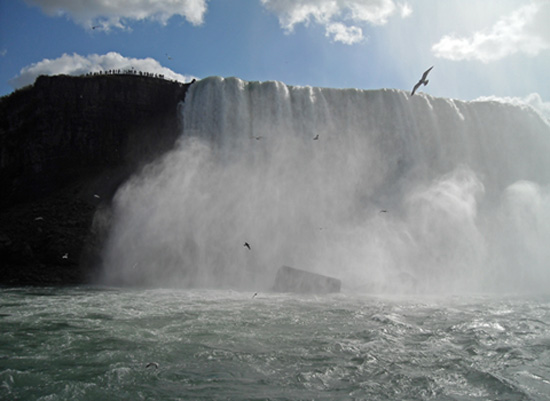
(386, 192)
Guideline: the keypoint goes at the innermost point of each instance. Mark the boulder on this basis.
(289, 279)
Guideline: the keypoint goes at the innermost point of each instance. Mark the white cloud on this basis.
(342, 19)
(113, 13)
(345, 34)
(406, 10)
(76, 64)
(532, 100)
(526, 30)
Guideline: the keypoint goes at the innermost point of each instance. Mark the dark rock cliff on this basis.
(66, 144)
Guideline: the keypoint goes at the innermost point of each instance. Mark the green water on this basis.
(95, 344)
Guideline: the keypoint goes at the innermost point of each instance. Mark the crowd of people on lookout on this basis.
(130, 71)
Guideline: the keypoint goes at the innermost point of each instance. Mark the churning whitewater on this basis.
(95, 344)
(387, 192)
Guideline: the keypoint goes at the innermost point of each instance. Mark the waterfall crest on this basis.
(386, 192)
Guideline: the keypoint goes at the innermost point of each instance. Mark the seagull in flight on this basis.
(423, 80)
(247, 245)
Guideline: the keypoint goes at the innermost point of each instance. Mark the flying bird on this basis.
(152, 365)
(423, 80)
(316, 137)
(247, 245)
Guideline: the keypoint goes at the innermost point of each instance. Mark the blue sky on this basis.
(478, 48)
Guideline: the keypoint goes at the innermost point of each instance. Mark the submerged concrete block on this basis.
(289, 279)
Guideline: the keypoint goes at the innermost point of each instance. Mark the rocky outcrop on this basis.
(66, 144)
(289, 279)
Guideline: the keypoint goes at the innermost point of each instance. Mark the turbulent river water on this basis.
(87, 343)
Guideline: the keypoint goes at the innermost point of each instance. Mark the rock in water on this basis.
(289, 279)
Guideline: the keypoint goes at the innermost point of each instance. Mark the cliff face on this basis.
(66, 144)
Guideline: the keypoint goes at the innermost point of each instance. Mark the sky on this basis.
(479, 48)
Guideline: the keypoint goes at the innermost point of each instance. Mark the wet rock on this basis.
(66, 145)
(289, 279)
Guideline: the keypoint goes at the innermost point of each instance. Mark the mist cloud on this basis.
(76, 64)
(532, 100)
(460, 216)
(114, 13)
(523, 31)
(342, 19)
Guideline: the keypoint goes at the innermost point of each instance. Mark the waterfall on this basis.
(384, 191)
